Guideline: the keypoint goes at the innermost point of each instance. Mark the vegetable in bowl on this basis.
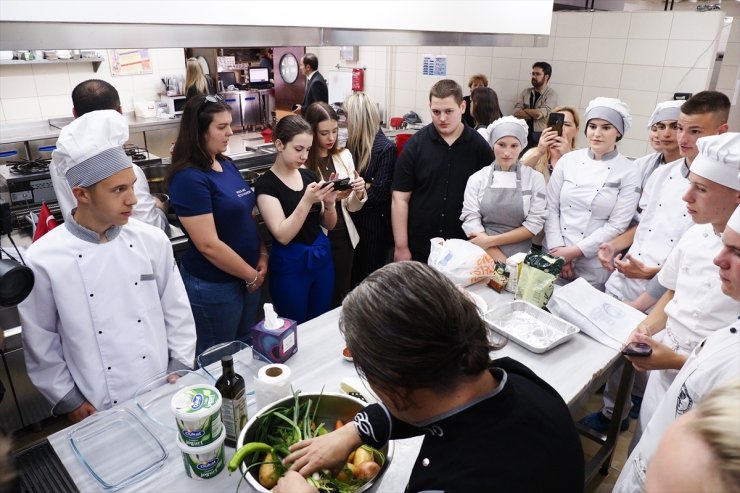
(266, 440)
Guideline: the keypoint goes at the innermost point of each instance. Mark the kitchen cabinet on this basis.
(95, 62)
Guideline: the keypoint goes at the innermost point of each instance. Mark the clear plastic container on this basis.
(116, 448)
(153, 397)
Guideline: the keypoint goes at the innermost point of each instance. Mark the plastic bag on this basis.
(461, 261)
(537, 278)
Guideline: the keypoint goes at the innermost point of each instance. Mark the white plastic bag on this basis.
(461, 261)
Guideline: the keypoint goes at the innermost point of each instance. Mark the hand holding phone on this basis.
(340, 184)
(637, 349)
(555, 122)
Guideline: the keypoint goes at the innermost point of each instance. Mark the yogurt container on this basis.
(197, 411)
(203, 462)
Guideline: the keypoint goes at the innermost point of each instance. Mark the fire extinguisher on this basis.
(358, 79)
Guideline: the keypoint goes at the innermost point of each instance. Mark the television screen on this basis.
(228, 78)
(258, 75)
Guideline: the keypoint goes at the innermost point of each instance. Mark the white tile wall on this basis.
(603, 75)
(606, 50)
(38, 92)
(611, 25)
(573, 24)
(650, 52)
(573, 49)
(696, 25)
(699, 54)
(651, 25)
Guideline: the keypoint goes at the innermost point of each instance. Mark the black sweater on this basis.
(521, 438)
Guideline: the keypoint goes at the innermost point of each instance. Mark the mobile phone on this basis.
(637, 349)
(555, 122)
(340, 184)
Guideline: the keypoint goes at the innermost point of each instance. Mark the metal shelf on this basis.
(95, 62)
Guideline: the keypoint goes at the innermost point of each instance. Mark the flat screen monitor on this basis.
(258, 75)
(228, 78)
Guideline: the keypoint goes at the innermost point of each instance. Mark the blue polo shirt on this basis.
(194, 192)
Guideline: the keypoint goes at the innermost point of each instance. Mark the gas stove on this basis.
(25, 167)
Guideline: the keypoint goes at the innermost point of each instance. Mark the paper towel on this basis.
(272, 384)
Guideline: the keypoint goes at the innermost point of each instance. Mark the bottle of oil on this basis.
(234, 404)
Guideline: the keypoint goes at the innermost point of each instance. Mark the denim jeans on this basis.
(223, 311)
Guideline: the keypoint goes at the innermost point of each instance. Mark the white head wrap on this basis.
(507, 126)
(719, 159)
(665, 111)
(612, 110)
(89, 149)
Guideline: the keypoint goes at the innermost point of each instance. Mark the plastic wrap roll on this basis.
(272, 384)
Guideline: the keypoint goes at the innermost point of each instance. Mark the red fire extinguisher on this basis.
(358, 79)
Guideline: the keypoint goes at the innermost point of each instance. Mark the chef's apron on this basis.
(502, 206)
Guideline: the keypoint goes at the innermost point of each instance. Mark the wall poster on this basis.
(130, 62)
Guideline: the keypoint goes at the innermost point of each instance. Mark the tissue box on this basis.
(276, 345)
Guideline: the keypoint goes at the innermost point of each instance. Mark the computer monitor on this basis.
(257, 75)
(227, 78)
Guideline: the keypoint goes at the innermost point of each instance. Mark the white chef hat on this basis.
(507, 126)
(613, 110)
(665, 111)
(719, 159)
(734, 222)
(89, 149)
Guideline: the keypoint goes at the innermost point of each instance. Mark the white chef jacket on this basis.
(646, 165)
(590, 202)
(103, 318)
(715, 361)
(534, 201)
(145, 210)
(698, 308)
(663, 220)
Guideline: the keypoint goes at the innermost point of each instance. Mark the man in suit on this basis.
(316, 89)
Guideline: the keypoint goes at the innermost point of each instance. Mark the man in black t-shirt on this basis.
(431, 174)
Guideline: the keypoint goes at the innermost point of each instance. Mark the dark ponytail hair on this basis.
(408, 327)
(190, 150)
(290, 126)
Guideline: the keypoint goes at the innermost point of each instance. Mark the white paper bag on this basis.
(463, 262)
(597, 314)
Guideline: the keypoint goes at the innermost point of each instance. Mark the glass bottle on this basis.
(234, 403)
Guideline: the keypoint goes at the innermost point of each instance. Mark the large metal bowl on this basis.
(333, 406)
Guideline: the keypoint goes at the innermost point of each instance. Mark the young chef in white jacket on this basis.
(108, 309)
(714, 361)
(663, 221)
(592, 194)
(504, 204)
(694, 305)
(663, 128)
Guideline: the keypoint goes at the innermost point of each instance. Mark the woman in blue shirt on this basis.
(226, 262)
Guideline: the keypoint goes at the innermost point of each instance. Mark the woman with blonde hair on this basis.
(375, 158)
(551, 147)
(196, 83)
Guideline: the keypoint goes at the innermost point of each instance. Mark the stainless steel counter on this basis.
(19, 132)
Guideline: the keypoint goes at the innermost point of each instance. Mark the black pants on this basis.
(343, 255)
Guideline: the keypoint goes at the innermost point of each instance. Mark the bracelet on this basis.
(254, 281)
(265, 254)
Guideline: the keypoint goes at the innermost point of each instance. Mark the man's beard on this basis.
(537, 85)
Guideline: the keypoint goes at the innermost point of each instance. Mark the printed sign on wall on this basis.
(435, 65)
(130, 62)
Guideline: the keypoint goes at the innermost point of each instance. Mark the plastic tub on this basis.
(203, 462)
(197, 410)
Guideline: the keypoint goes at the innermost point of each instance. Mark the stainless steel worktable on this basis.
(574, 369)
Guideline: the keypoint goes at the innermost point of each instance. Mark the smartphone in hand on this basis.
(637, 349)
(340, 184)
(555, 122)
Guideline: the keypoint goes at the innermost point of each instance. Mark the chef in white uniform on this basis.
(592, 194)
(504, 204)
(715, 361)
(694, 306)
(663, 123)
(108, 309)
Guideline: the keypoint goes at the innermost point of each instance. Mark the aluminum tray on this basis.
(543, 333)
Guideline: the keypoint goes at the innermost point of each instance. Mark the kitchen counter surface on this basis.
(19, 132)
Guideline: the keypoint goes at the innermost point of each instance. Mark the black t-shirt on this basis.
(270, 184)
(436, 174)
(521, 438)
